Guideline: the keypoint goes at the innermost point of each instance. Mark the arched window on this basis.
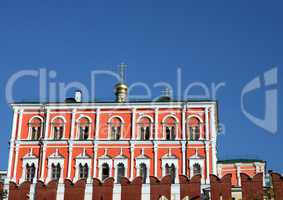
(83, 171)
(143, 172)
(194, 127)
(83, 128)
(56, 171)
(58, 128)
(170, 126)
(171, 170)
(196, 169)
(144, 125)
(120, 172)
(115, 128)
(105, 171)
(30, 172)
(35, 128)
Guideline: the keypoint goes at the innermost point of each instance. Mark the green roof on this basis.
(232, 161)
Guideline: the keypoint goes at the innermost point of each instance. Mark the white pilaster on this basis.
(133, 124)
(16, 163)
(239, 174)
(32, 191)
(145, 192)
(88, 191)
(20, 125)
(73, 124)
(70, 156)
(132, 148)
(207, 162)
(214, 139)
(60, 191)
(97, 124)
(117, 192)
(43, 162)
(206, 124)
(184, 157)
(175, 191)
(11, 150)
(184, 123)
(155, 158)
(94, 160)
(156, 123)
(47, 122)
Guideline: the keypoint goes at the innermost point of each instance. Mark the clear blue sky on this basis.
(213, 41)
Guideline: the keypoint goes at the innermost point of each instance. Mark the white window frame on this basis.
(110, 127)
(55, 159)
(78, 126)
(201, 126)
(29, 159)
(82, 159)
(201, 162)
(108, 161)
(138, 136)
(123, 161)
(52, 127)
(170, 159)
(30, 128)
(176, 126)
(145, 160)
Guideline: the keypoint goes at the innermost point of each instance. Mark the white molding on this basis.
(128, 105)
(55, 159)
(29, 159)
(101, 162)
(52, 126)
(118, 161)
(82, 159)
(145, 161)
(199, 161)
(78, 126)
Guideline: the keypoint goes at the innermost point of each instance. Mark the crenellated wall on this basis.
(252, 188)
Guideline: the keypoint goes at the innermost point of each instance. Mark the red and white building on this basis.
(76, 140)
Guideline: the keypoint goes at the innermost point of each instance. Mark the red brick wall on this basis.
(160, 188)
(74, 191)
(46, 192)
(221, 187)
(131, 190)
(19, 192)
(1, 187)
(252, 188)
(102, 191)
(190, 188)
(277, 181)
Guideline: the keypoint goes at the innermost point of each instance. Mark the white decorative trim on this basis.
(78, 126)
(170, 159)
(55, 159)
(29, 159)
(195, 159)
(176, 126)
(82, 159)
(138, 136)
(110, 128)
(107, 160)
(117, 161)
(52, 127)
(143, 159)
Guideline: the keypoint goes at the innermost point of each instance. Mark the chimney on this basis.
(78, 96)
